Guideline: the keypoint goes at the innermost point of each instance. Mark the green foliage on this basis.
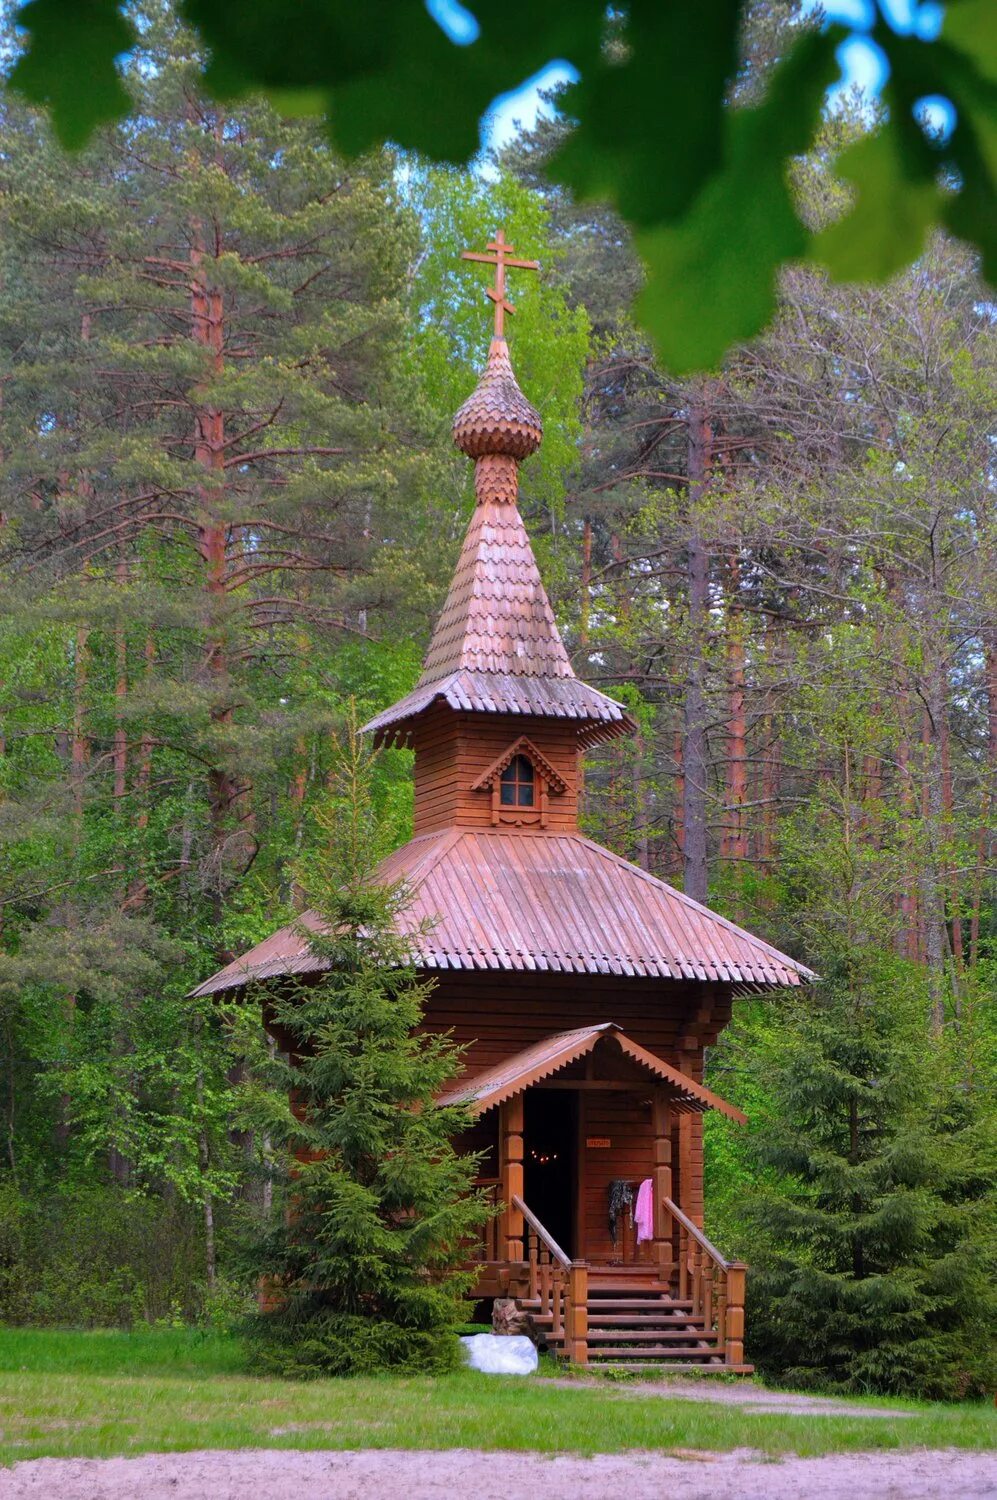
(727, 249)
(625, 135)
(704, 187)
(373, 71)
(365, 1266)
(98, 1257)
(70, 44)
(870, 1262)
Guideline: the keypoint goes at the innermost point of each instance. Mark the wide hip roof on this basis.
(543, 902)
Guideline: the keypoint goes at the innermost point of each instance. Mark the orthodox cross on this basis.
(498, 253)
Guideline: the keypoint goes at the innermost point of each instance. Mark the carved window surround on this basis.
(548, 782)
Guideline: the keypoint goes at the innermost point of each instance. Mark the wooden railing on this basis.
(713, 1285)
(558, 1285)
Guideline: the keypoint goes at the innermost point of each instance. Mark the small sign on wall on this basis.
(598, 1142)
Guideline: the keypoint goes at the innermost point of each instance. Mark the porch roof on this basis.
(543, 1059)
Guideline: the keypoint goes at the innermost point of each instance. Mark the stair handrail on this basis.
(544, 1234)
(698, 1235)
(558, 1285)
(716, 1292)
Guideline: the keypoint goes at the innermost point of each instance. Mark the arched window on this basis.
(517, 783)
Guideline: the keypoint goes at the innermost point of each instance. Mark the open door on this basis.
(550, 1161)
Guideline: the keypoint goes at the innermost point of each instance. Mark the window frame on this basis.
(517, 783)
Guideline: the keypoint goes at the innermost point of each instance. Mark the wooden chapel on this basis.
(584, 989)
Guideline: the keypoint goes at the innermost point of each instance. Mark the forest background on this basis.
(230, 506)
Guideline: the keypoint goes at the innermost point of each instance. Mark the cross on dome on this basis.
(498, 253)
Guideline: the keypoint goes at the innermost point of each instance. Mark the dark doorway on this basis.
(550, 1139)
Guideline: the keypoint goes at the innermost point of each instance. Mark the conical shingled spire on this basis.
(497, 617)
(496, 647)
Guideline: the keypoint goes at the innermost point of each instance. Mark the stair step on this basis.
(648, 1268)
(654, 1351)
(644, 1320)
(631, 1320)
(618, 1326)
(676, 1367)
(671, 1304)
(649, 1286)
(651, 1335)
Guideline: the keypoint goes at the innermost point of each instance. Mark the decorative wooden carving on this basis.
(547, 780)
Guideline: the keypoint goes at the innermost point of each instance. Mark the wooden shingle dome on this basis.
(496, 419)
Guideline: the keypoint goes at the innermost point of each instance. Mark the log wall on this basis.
(452, 751)
(496, 1015)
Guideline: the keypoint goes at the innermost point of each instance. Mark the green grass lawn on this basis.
(96, 1394)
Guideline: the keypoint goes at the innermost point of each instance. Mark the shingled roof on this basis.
(496, 647)
(556, 903)
(555, 1053)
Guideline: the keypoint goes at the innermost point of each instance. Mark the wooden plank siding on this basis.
(453, 750)
(495, 1016)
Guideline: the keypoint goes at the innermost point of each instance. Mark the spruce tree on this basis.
(869, 1267)
(365, 1265)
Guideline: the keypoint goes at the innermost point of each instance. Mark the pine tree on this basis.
(365, 1263)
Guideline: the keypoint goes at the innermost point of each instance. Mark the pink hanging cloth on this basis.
(644, 1211)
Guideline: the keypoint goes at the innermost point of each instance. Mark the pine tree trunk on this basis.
(204, 1159)
(694, 879)
(208, 330)
(120, 693)
(933, 903)
(987, 800)
(585, 599)
(734, 838)
(143, 777)
(678, 791)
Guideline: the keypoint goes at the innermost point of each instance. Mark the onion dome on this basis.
(496, 419)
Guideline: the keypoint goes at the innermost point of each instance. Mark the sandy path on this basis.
(265, 1474)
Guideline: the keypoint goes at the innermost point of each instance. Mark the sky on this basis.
(861, 61)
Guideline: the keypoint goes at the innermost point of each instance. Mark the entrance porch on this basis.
(563, 1122)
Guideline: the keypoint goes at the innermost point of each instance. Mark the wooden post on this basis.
(511, 1169)
(661, 1116)
(734, 1314)
(577, 1330)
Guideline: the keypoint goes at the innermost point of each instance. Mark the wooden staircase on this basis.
(683, 1317)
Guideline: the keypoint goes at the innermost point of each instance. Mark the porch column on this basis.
(511, 1171)
(661, 1116)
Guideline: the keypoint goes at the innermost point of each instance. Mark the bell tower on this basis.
(498, 718)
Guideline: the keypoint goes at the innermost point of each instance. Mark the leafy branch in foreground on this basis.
(703, 186)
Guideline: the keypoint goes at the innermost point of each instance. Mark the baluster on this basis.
(534, 1283)
(544, 1280)
(683, 1263)
(556, 1291)
(721, 1307)
(708, 1275)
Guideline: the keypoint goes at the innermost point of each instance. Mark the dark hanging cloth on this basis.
(621, 1200)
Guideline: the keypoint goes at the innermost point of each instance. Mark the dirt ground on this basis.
(390, 1475)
